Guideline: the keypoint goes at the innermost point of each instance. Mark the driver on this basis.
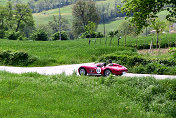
(110, 62)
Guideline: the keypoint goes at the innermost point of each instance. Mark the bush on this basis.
(56, 36)
(2, 33)
(138, 64)
(16, 58)
(125, 59)
(21, 38)
(173, 51)
(13, 35)
(39, 35)
(94, 35)
(168, 62)
(140, 69)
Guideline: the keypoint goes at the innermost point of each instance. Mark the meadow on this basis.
(50, 53)
(34, 95)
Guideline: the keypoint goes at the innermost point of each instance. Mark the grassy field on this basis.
(45, 16)
(111, 26)
(33, 95)
(51, 53)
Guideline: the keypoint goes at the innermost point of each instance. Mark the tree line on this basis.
(16, 22)
(106, 11)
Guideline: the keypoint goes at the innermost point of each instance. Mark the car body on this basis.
(102, 69)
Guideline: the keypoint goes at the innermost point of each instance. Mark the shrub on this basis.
(39, 35)
(16, 58)
(13, 35)
(56, 36)
(2, 33)
(173, 51)
(139, 69)
(156, 68)
(21, 38)
(125, 59)
(93, 35)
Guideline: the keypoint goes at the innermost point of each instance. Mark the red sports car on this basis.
(102, 69)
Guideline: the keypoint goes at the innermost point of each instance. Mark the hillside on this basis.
(66, 11)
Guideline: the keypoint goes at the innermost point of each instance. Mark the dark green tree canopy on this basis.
(141, 10)
(83, 12)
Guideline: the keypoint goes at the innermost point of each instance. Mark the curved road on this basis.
(68, 70)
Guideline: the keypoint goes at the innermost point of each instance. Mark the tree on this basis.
(83, 12)
(56, 36)
(116, 34)
(141, 10)
(90, 28)
(126, 28)
(159, 26)
(23, 16)
(111, 34)
(3, 13)
(54, 24)
(39, 35)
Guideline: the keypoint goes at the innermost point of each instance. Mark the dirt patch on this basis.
(154, 51)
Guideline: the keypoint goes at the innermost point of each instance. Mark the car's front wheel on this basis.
(82, 71)
(107, 72)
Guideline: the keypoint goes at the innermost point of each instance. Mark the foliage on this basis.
(39, 35)
(141, 10)
(88, 96)
(54, 24)
(111, 34)
(2, 33)
(16, 58)
(139, 64)
(90, 27)
(13, 35)
(159, 26)
(93, 35)
(52, 53)
(126, 28)
(109, 11)
(173, 51)
(16, 18)
(83, 12)
(23, 16)
(56, 36)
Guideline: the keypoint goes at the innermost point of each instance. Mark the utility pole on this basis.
(59, 21)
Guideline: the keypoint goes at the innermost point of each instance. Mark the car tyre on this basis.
(107, 72)
(82, 71)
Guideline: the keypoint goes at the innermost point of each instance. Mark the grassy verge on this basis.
(34, 95)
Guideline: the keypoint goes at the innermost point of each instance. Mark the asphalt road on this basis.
(68, 70)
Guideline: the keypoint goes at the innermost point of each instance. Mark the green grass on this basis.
(51, 53)
(34, 95)
(45, 16)
(111, 26)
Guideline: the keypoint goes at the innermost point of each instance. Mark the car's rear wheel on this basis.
(82, 71)
(107, 72)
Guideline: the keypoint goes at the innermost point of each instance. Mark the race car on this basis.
(102, 69)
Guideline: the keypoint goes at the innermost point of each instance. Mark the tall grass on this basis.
(51, 53)
(61, 52)
(34, 95)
